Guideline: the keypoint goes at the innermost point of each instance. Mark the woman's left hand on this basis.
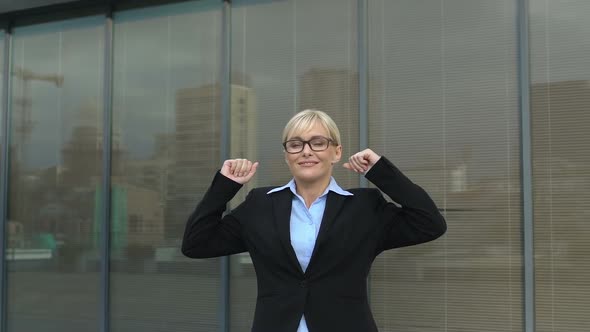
(361, 162)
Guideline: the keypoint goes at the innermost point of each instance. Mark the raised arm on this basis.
(208, 233)
(418, 220)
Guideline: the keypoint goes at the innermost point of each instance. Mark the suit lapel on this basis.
(281, 202)
(334, 204)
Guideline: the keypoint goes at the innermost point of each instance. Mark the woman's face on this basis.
(312, 166)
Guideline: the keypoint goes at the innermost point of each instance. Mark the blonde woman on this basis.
(312, 243)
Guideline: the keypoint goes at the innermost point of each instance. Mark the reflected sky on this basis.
(72, 52)
(155, 56)
(178, 58)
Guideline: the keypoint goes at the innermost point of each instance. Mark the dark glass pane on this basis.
(53, 227)
(166, 141)
(287, 56)
(444, 107)
(14, 5)
(560, 114)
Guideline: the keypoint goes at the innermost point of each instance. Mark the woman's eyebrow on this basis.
(312, 137)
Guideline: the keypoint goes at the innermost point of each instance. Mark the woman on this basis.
(312, 243)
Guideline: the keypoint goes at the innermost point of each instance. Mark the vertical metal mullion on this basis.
(363, 79)
(5, 171)
(526, 163)
(363, 83)
(224, 311)
(106, 170)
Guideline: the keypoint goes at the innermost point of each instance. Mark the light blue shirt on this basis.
(305, 225)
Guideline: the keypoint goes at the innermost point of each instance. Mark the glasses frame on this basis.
(308, 142)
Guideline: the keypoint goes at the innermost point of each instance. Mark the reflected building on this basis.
(142, 194)
(28, 184)
(331, 90)
(136, 215)
(85, 144)
(81, 165)
(335, 91)
(561, 160)
(562, 109)
(154, 173)
(198, 146)
(145, 217)
(81, 172)
(64, 194)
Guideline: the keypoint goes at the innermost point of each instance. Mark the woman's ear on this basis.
(338, 154)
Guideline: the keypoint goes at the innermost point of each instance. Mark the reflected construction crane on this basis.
(23, 127)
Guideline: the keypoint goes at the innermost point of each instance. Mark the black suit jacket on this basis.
(332, 292)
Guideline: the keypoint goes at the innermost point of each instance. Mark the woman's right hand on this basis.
(239, 170)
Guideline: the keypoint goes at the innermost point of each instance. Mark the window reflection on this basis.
(444, 104)
(560, 155)
(312, 64)
(560, 101)
(55, 173)
(166, 135)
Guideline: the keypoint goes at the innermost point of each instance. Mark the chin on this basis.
(307, 177)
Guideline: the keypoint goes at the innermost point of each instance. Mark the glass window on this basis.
(560, 114)
(444, 108)
(56, 158)
(166, 149)
(14, 5)
(311, 63)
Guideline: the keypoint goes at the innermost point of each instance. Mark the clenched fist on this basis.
(239, 170)
(361, 162)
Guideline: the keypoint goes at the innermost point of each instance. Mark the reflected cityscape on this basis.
(443, 105)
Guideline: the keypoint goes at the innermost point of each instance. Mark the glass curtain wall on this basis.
(166, 149)
(443, 107)
(55, 172)
(560, 113)
(287, 56)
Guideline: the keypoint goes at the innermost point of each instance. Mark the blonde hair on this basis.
(306, 119)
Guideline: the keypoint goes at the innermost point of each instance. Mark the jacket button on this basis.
(303, 283)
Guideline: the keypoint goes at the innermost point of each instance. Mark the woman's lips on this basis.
(307, 163)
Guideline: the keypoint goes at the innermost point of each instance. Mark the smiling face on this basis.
(309, 166)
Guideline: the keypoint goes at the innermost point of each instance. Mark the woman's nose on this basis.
(307, 148)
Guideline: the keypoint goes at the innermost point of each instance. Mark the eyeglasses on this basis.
(315, 144)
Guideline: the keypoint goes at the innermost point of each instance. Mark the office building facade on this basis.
(116, 114)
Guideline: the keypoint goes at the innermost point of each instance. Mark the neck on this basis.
(310, 191)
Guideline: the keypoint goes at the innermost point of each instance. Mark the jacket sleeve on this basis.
(418, 220)
(208, 234)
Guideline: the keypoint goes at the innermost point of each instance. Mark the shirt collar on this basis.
(332, 186)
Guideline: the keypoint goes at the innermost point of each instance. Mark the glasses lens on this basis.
(319, 144)
(294, 146)
(316, 144)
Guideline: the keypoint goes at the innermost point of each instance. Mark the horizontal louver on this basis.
(444, 108)
(287, 56)
(560, 113)
(167, 111)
